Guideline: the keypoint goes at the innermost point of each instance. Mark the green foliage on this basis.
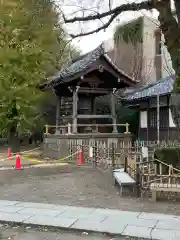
(168, 155)
(130, 32)
(32, 47)
(102, 106)
(123, 113)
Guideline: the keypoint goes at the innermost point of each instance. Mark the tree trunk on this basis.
(13, 141)
(175, 108)
(170, 28)
(175, 95)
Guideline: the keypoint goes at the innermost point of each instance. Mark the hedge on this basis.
(169, 156)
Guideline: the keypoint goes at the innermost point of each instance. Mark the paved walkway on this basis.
(136, 224)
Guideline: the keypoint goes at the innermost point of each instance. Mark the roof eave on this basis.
(134, 82)
(135, 100)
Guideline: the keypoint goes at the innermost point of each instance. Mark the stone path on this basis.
(115, 222)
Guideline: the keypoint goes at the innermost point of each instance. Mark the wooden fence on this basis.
(93, 128)
(121, 152)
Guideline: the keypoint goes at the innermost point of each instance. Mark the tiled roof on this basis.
(81, 65)
(76, 67)
(161, 87)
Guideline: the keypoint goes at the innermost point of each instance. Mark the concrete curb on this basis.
(72, 230)
(113, 222)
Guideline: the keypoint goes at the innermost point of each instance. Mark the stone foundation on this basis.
(59, 146)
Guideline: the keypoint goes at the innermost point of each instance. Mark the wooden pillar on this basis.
(113, 113)
(93, 112)
(158, 122)
(148, 121)
(93, 109)
(168, 104)
(127, 149)
(57, 115)
(75, 104)
(62, 104)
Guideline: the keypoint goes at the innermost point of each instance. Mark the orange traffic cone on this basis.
(80, 159)
(9, 153)
(18, 162)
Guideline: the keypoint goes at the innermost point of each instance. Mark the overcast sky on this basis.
(90, 42)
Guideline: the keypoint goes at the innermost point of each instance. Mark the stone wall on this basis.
(60, 146)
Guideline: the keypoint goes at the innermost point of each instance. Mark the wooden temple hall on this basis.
(90, 76)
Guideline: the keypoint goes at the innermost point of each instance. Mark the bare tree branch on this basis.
(113, 13)
(109, 5)
(147, 5)
(104, 26)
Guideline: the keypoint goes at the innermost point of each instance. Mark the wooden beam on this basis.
(66, 117)
(94, 90)
(84, 116)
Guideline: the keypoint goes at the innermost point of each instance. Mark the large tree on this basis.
(32, 47)
(169, 25)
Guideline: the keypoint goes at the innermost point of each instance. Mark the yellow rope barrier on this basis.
(165, 164)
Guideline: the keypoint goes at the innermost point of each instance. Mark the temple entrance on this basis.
(92, 76)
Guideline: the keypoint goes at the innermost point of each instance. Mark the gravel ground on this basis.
(28, 233)
(74, 186)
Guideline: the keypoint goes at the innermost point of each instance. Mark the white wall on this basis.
(129, 57)
(171, 122)
(167, 68)
(143, 119)
(149, 52)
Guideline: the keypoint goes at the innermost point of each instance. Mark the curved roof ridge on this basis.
(83, 63)
(161, 87)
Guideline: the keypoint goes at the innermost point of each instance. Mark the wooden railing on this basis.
(153, 170)
(156, 173)
(67, 129)
(159, 172)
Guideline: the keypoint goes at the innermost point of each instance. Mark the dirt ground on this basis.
(24, 155)
(73, 186)
(42, 233)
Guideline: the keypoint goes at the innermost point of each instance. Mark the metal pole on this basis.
(158, 121)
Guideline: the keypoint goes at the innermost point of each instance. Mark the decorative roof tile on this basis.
(76, 67)
(82, 64)
(161, 87)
